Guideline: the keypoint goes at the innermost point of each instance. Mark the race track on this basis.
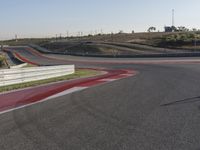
(158, 109)
(33, 57)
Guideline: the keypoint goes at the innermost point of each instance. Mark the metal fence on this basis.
(22, 75)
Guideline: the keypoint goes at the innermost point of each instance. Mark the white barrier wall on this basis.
(21, 75)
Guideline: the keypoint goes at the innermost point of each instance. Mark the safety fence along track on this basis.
(21, 75)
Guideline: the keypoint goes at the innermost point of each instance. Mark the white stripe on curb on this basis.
(69, 91)
(66, 92)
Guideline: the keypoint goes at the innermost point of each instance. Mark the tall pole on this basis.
(173, 24)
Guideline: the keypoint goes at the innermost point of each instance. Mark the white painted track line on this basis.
(69, 91)
(66, 92)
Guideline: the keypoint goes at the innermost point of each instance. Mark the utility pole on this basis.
(173, 22)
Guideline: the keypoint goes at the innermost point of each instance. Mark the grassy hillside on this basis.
(189, 40)
(26, 41)
(144, 38)
(87, 48)
(141, 43)
(135, 37)
(129, 44)
(2, 59)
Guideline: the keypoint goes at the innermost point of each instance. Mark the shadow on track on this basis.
(184, 101)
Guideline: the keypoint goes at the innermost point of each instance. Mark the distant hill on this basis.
(120, 44)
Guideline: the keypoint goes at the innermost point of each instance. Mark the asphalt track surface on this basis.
(33, 56)
(158, 109)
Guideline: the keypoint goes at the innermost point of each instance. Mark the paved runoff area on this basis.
(139, 104)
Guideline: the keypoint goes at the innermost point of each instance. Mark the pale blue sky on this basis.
(43, 18)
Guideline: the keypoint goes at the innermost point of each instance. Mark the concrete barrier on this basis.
(22, 75)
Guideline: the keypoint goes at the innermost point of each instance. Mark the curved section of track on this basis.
(158, 110)
(21, 98)
(31, 56)
(34, 57)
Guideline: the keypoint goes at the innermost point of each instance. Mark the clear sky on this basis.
(44, 18)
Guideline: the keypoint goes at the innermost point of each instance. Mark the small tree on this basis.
(151, 29)
(2, 59)
(194, 29)
(183, 29)
(174, 29)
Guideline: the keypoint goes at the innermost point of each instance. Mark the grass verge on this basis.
(80, 73)
(29, 65)
(2, 61)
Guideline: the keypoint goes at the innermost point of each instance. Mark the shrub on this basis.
(1, 61)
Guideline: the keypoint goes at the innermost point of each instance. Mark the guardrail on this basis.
(22, 75)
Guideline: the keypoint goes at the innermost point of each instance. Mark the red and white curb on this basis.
(83, 87)
(72, 90)
(69, 91)
(24, 98)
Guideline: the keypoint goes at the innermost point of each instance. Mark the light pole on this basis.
(173, 24)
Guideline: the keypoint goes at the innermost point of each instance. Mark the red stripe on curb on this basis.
(35, 53)
(24, 59)
(28, 96)
(92, 83)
